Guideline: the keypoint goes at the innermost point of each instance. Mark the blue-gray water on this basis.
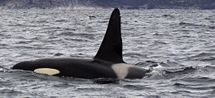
(178, 44)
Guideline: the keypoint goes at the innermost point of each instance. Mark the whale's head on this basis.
(26, 65)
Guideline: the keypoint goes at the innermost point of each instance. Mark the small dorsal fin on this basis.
(111, 47)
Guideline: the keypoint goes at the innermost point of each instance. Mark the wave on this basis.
(191, 24)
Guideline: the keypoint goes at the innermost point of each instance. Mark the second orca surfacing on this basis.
(108, 62)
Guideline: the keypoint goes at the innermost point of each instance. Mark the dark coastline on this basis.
(127, 4)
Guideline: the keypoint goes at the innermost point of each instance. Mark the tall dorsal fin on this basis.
(111, 47)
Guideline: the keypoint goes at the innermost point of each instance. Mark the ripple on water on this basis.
(155, 39)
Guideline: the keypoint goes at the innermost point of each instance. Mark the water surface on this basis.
(178, 44)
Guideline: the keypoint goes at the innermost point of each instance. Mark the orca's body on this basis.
(108, 62)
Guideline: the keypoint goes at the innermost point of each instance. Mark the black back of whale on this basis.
(109, 53)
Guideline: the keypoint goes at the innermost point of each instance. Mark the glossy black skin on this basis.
(136, 73)
(109, 53)
(82, 68)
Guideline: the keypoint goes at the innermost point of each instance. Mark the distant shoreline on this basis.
(126, 4)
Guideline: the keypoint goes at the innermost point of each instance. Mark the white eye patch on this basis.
(121, 69)
(47, 71)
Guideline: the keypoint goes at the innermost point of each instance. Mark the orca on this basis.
(107, 63)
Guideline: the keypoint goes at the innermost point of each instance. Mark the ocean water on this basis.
(179, 45)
